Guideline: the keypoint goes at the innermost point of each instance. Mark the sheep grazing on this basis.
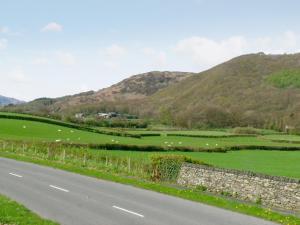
(59, 130)
(24, 127)
(57, 140)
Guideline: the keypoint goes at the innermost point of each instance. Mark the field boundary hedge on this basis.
(263, 147)
(213, 136)
(150, 135)
(69, 125)
(153, 148)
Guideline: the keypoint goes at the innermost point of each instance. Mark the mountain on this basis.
(256, 90)
(136, 87)
(250, 90)
(6, 101)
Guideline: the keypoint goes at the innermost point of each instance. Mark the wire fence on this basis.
(102, 160)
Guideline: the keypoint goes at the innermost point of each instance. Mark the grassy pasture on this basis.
(287, 138)
(268, 162)
(37, 131)
(276, 163)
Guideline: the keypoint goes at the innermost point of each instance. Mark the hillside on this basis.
(6, 101)
(136, 87)
(255, 89)
(251, 90)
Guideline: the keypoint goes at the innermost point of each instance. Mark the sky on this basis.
(52, 48)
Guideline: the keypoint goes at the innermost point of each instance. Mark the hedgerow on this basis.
(167, 167)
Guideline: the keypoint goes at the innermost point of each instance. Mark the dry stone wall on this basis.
(275, 192)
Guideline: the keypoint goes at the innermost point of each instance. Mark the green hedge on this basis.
(167, 167)
(152, 148)
(262, 147)
(150, 135)
(212, 136)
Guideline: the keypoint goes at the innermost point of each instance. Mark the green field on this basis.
(278, 163)
(13, 129)
(287, 138)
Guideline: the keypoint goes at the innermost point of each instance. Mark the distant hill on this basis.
(251, 90)
(256, 90)
(136, 87)
(6, 101)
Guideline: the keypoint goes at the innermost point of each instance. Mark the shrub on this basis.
(201, 188)
(226, 194)
(258, 201)
(167, 167)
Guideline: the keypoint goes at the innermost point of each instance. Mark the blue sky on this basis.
(54, 48)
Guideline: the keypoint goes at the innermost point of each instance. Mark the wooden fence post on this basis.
(129, 164)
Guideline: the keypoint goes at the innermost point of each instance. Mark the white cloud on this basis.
(84, 88)
(148, 51)
(4, 30)
(52, 27)
(115, 51)
(209, 52)
(66, 58)
(17, 75)
(40, 61)
(3, 43)
(158, 58)
(206, 52)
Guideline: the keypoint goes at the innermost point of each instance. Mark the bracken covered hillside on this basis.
(256, 89)
(117, 97)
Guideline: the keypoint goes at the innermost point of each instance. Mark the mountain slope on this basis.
(136, 87)
(6, 101)
(237, 92)
(250, 90)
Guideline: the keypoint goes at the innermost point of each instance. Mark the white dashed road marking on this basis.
(59, 188)
(16, 175)
(128, 211)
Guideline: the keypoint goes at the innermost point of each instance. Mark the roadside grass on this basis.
(189, 194)
(37, 131)
(12, 213)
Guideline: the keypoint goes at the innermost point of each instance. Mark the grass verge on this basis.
(13, 213)
(193, 195)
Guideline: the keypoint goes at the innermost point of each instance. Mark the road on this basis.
(73, 199)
